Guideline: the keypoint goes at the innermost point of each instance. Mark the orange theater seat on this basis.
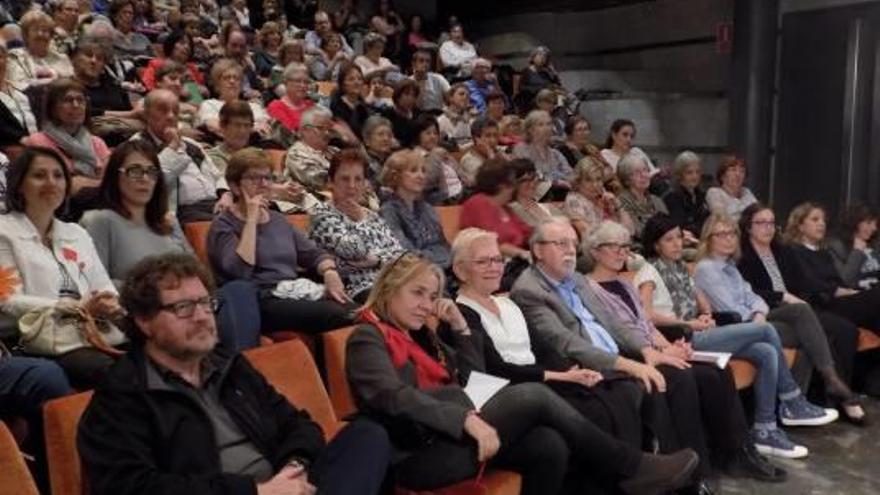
(744, 373)
(197, 235)
(449, 219)
(61, 417)
(326, 88)
(289, 367)
(868, 340)
(495, 482)
(300, 221)
(15, 478)
(276, 158)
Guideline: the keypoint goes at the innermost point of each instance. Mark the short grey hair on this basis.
(684, 160)
(372, 123)
(538, 232)
(465, 240)
(312, 114)
(607, 231)
(294, 68)
(627, 166)
(532, 119)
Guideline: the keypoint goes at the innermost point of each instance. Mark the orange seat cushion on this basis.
(450, 217)
(868, 340)
(61, 420)
(15, 477)
(334, 361)
(197, 235)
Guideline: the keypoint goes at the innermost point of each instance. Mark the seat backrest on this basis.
(61, 418)
(289, 367)
(14, 475)
(326, 88)
(334, 361)
(197, 235)
(300, 221)
(449, 220)
(276, 160)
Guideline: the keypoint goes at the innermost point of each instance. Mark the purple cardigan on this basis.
(638, 321)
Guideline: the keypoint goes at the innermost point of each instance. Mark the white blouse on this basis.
(38, 268)
(509, 333)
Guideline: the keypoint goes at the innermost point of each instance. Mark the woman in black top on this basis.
(822, 285)
(686, 200)
(777, 278)
(347, 102)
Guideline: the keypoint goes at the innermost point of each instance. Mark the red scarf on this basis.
(402, 349)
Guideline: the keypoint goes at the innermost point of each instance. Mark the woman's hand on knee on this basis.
(487, 439)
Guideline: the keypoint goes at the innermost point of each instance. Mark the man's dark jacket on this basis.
(135, 440)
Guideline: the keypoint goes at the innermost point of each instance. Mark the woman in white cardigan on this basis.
(55, 262)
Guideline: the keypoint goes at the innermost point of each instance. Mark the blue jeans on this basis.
(27, 382)
(238, 318)
(759, 344)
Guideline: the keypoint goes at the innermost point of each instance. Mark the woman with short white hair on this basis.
(635, 176)
(553, 169)
(288, 109)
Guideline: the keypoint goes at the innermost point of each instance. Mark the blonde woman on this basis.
(588, 203)
(403, 374)
(36, 63)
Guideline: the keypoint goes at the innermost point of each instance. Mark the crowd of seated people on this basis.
(126, 127)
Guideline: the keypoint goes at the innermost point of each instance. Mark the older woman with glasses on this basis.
(227, 76)
(288, 109)
(36, 63)
(731, 196)
(133, 222)
(635, 176)
(588, 203)
(719, 279)
(772, 270)
(553, 168)
(252, 242)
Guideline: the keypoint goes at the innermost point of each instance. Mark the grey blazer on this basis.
(556, 332)
(377, 386)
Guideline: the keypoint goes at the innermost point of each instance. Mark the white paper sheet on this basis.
(719, 359)
(481, 387)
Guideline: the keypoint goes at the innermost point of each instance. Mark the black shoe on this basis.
(661, 473)
(701, 488)
(747, 462)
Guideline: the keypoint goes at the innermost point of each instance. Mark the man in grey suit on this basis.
(569, 325)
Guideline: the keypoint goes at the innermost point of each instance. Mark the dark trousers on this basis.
(843, 339)
(863, 309)
(25, 383)
(238, 318)
(303, 316)
(355, 461)
(539, 432)
(680, 406)
(614, 406)
(85, 367)
(203, 211)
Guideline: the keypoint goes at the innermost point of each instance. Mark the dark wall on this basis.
(827, 104)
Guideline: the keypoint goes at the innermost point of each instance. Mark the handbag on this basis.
(52, 331)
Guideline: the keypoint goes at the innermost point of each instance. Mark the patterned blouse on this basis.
(352, 241)
(680, 286)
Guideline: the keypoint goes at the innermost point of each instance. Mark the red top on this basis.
(287, 115)
(479, 211)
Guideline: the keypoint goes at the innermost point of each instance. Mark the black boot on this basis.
(661, 473)
(747, 462)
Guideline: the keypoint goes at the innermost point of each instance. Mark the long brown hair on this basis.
(111, 196)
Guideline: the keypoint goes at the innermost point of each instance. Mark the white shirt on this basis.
(613, 158)
(719, 201)
(19, 106)
(210, 110)
(368, 66)
(37, 267)
(509, 333)
(662, 300)
(22, 67)
(455, 55)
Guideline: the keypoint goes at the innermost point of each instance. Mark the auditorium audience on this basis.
(481, 84)
(731, 196)
(855, 247)
(524, 204)
(456, 54)
(822, 285)
(636, 199)
(180, 414)
(444, 183)
(769, 266)
(401, 374)
(347, 102)
(412, 219)
(489, 209)
(178, 47)
(484, 132)
(672, 302)
(553, 169)
(235, 47)
(372, 61)
(55, 262)
(588, 203)
(288, 109)
(17, 120)
(403, 113)
(577, 143)
(227, 80)
(36, 63)
(107, 101)
(432, 86)
(65, 14)
(196, 188)
(130, 43)
(251, 242)
(267, 55)
(620, 142)
(359, 239)
(686, 199)
(540, 74)
(132, 222)
(456, 119)
(314, 39)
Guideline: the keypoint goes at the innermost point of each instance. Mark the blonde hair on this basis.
(396, 164)
(394, 276)
(465, 240)
(532, 120)
(792, 232)
(32, 19)
(223, 66)
(588, 168)
(714, 219)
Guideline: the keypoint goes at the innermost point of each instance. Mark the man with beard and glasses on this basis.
(178, 415)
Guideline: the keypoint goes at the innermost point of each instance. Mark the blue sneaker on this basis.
(774, 442)
(799, 412)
